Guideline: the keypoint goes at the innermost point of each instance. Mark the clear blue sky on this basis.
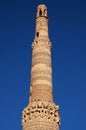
(67, 32)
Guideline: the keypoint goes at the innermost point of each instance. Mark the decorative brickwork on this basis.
(41, 112)
(41, 115)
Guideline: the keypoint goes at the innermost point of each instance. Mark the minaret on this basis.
(41, 113)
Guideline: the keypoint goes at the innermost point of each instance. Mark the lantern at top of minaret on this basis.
(42, 11)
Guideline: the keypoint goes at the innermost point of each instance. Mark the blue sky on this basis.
(67, 32)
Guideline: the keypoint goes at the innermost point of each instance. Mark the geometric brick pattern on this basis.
(41, 114)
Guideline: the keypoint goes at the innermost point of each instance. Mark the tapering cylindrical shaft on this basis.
(41, 74)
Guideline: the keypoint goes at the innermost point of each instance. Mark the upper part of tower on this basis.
(42, 11)
(41, 23)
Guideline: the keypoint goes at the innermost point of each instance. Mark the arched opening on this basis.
(40, 12)
(45, 12)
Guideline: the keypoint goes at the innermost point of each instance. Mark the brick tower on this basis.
(41, 113)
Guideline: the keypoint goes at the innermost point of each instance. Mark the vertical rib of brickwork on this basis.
(41, 112)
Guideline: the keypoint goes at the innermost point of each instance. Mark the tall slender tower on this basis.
(41, 113)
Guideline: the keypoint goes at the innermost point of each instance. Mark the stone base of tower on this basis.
(41, 115)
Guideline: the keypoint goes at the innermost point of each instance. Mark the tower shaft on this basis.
(41, 113)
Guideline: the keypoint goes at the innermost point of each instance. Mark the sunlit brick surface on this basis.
(41, 112)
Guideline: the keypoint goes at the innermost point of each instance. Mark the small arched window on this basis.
(40, 12)
(44, 10)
